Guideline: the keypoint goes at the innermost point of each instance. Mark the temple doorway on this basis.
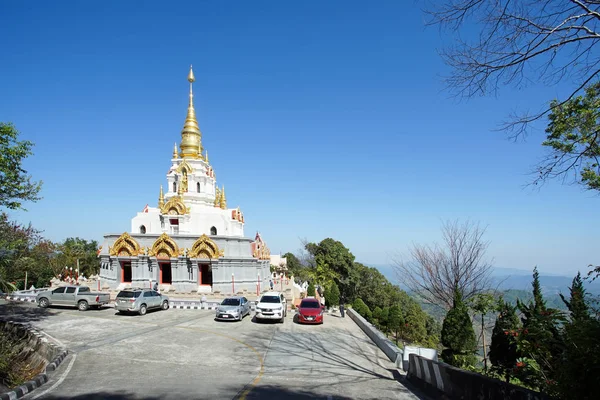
(205, 275)
(126, 272)
(165, 273)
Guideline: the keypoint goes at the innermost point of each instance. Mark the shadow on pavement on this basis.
(24, 312)
(269, 392)
(104, 396)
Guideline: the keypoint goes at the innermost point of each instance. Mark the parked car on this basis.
(233, 308)
(76, 296)
(272, 305)
(310, 311)
(140, 300)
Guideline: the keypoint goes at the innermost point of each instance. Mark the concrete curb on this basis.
(393, 352)
(41, 378)
(21, 298)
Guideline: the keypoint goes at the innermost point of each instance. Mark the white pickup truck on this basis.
(76, 296)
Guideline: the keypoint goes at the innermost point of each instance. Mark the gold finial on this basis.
(217, 197)
(180, 189)
(206, 156)
(161, 198)
(191, 137)
(191, 78)
(223, 202)
(175, 150)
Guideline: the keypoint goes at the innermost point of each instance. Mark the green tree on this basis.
(16, 186)
(333, 263)
(294, 265)
(573, 140)
(360, 307)
(503, 350)
(396, 321)
(77, 250)
(310, 290)
(458, 336)
(580, 361)
(482, 304)
(540, 342)
(384, 319)
(332, 296)
(377, 316)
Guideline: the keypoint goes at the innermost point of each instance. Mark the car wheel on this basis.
(82, 305)
(43, 302)
(165, 305)
(143, 309)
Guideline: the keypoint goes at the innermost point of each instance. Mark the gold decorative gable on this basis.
(175, 206)
(164, 247)
(125, 246)
(204, 247)
(184, 166)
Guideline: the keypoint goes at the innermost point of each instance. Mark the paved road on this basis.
(185, 354)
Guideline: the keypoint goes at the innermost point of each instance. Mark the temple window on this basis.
(142, 229)
(198, 187)
(213, 231)
(175, 187)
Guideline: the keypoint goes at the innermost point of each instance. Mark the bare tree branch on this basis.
(434, 272)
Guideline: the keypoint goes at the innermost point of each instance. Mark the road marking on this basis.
(62, 378)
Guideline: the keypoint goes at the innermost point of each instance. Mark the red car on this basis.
(310, 311)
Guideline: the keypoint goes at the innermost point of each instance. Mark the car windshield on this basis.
(310, 304)
(231, 302)
(270, 299)
(128, 294)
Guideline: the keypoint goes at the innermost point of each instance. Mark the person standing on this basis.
(203, 300)
(342, 310)
(155, 287)
(271, 283)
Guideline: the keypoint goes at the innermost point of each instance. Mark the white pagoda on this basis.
(190, 242)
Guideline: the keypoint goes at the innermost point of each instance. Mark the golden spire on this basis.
(175, 150)
(217, 197)
(161, 198)
(180, 189)
(206, 156)
(190, 134)
(223, 202)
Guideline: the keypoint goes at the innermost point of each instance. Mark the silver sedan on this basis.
(233, 308)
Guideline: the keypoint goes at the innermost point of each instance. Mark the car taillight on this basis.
(97, 299)
(132, 300)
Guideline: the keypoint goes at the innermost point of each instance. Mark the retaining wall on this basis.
(441, 380)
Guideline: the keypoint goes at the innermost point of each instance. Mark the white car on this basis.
(272, 305)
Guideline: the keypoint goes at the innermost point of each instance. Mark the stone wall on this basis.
(442, 380)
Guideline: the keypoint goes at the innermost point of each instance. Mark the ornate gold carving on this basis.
(175, 206)
(125, 246)
(204, 247)
(184, 167)
(164, 247)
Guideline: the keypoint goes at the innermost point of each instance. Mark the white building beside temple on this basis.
(190, 242)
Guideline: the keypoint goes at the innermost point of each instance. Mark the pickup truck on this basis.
(76, 296)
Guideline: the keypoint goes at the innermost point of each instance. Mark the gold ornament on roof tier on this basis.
(164, 247)
(223, 200)
(204, 247)
(217, 197)
(125, 246)
(175, 206)
(161, 198)
(191, 137)
(175, 155)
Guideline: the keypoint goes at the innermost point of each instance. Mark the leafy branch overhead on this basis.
(16, 186)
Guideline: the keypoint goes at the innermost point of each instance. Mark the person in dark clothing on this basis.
(342, 310)
(155, 287)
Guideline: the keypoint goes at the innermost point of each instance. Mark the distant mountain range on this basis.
(512, 279)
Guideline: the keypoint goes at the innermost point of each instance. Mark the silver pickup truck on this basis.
(76, 296)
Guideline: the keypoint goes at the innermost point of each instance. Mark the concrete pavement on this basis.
(185, 354)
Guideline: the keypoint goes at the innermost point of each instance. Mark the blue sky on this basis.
(322, 119)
